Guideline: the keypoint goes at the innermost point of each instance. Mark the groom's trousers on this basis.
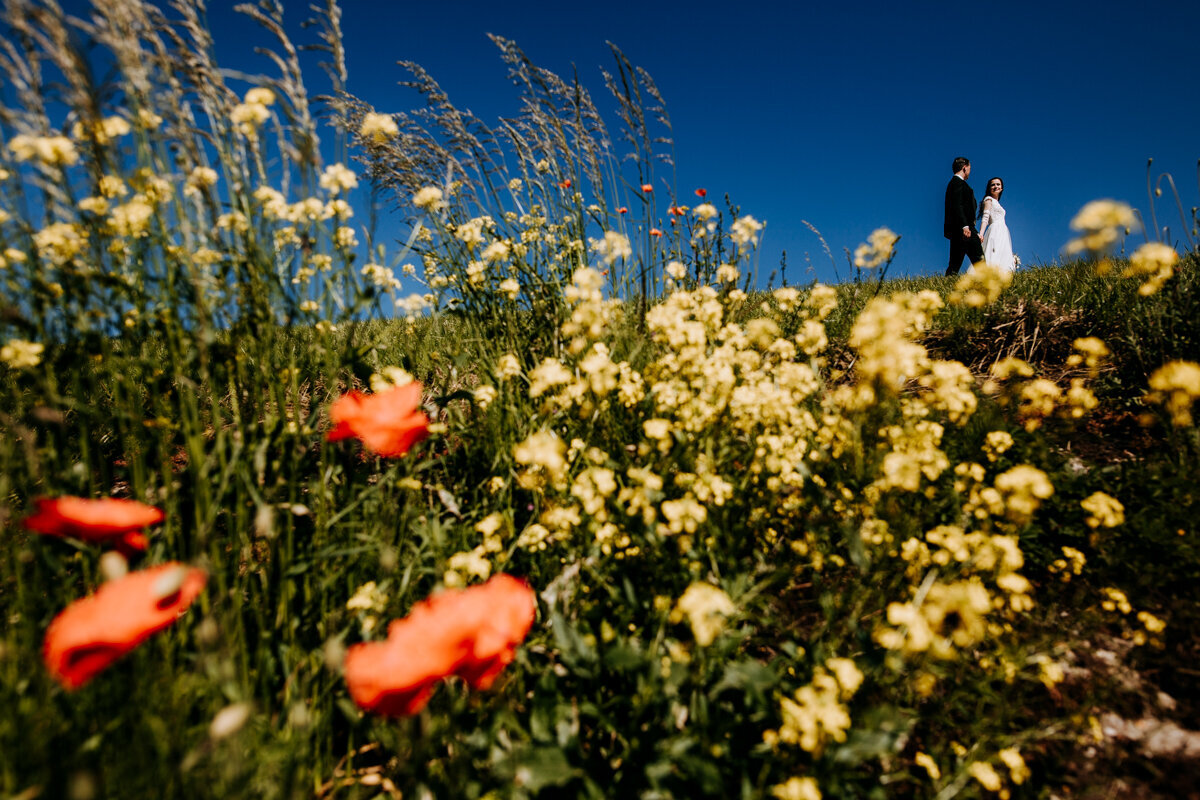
(960, 247)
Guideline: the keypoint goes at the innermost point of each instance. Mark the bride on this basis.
(997, 243)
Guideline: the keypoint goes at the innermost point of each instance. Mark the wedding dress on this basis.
(997, 243)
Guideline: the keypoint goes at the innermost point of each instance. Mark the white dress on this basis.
(997, 242)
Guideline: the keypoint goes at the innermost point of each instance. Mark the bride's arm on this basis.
(987, 215)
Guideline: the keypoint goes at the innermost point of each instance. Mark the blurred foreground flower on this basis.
(1100, 223)
(1156, 262)
(879, 248)
(1176, 386)
(980, 286)
(387, 422)
(20, 354)
(95, 521)
(378, 128)
(705, 607)
(94, 632)
(472, 633)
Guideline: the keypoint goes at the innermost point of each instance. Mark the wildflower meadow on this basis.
(555, 492)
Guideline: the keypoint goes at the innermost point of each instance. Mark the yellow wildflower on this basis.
(1103, 511)
(879, 248)
(996, 444)
(247, 117)
(1100, 223)
(260, 95)
(484, 396)
(612, 247)
(469, 564)
(367, 597)
(926, 761)
(981, 286)
(705, 606)
(338, 178)
(1090, 352)
(131, 219)
(745, 230)
(1176, 386)
(55, 151)
(111, 186)
(429, 198)
(822, 300)
(1154, 260)
(199, 179)
(60, 242)
(797, 789)
(1017, 769)
(986, 774)
(378, 128)
(20, 354)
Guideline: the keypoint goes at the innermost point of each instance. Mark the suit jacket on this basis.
(960, 208)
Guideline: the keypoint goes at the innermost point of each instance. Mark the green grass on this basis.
(191, 364)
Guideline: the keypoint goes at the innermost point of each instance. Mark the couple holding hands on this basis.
(991, 242)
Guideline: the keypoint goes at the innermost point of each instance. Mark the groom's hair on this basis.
(959, 163)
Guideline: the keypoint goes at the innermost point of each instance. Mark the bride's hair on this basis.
(986, 195)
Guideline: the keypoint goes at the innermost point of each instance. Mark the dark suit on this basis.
(960, 213)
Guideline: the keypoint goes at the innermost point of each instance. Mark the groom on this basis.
(960, 218)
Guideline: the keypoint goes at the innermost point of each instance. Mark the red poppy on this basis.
(701, 193)
(387, 422)
(646, 187)
(108, 519)
(622, 210)
(655, 232)
(472, 633)
(676, 210)
(95, 631)
(565, 184)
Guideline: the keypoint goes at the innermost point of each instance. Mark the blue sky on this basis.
(843, 114)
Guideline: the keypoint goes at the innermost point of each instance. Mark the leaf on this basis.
(623, 658)
(542, 767)
(750, 676)
(882, 731)
(575, 651)
(449, 502)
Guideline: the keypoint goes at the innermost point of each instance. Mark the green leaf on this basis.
(542, 767)
(750, 676)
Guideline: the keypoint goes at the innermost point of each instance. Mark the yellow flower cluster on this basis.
(1090, 352)
(816, 714)
(1103, 510)
(797, 789)
(1176, 386)
(885, 337)
(54, 151)
(1039, 398)
(879, 248)
(948, 617)
(250, 114)
(981, 286)
(60, 242)
(989, 778)
(1069, 565)
(21, 354)
(477, 562)
(1100, 223)
(706, 608)
(378, 128)
(1155, 262)
(103, 131)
